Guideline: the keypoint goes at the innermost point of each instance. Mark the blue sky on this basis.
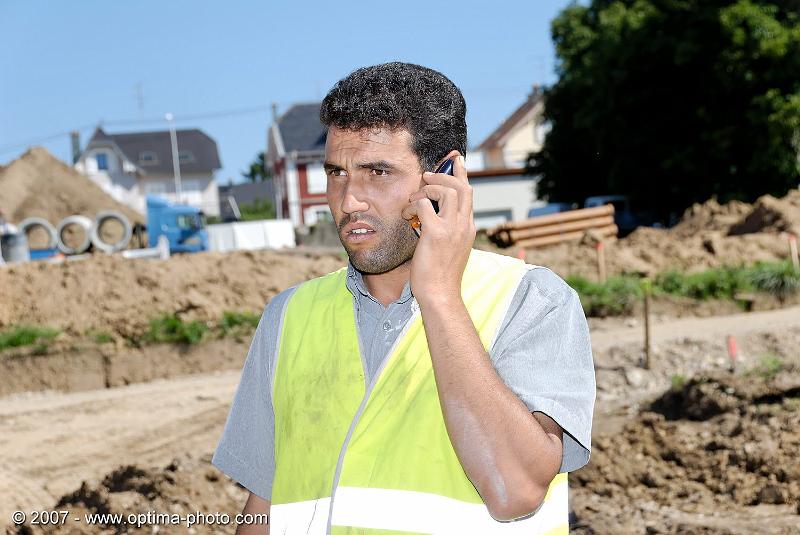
(70, 64)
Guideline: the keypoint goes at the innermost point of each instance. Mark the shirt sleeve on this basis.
(246, 452)
(543, 354)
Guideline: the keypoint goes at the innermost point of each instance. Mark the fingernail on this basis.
(463, 160)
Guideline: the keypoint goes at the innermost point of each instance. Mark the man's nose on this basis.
(354, 200)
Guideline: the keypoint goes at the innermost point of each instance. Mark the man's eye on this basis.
(336, 172)
(380, 172)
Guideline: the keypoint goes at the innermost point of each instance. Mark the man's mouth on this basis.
(359, 235)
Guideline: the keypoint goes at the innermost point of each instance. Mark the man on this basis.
(427, 387)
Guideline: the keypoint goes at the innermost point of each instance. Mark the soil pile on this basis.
(771, 215)
(38, 184)
(717, 446)
(711, 216)
(708, 235)
(121, 296)
(184, 487)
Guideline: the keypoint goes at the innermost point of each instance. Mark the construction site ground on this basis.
(147, 446)
(119, 426)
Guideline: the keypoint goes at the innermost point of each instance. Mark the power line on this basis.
(38, 141)
(133, 122)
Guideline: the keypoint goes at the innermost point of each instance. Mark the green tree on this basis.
(258, 171)
(673, 101)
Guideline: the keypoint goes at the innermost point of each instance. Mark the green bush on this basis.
(614, 297)
(232, 322)
(25, 335)
(171, 329)
(718, 283)
(257, 210)
(779, 279)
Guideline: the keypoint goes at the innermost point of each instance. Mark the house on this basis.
(523, 132)
(296, 153)
(502, 190)
(500, 195)
(129, 166)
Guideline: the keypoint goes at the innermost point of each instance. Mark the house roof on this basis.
(497, 173)
(301, 129)
(517, 116)
(249, 192)
(204, 157)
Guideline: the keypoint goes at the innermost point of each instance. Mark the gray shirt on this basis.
(542, 353)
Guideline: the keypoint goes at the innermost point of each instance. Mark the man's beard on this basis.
(396, 246)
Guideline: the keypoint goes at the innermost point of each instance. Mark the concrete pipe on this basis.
(28, 225)
(83, 223)
(97, 235)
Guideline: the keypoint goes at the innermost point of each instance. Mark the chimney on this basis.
(275, 112)
(75, 138)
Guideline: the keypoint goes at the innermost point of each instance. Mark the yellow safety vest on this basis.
(376, 458)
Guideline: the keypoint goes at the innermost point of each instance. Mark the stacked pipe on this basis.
(555, 228)
(76, 233)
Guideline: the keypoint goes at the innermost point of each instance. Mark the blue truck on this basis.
(183, 225)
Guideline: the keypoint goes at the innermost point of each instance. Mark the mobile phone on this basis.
(447, 169)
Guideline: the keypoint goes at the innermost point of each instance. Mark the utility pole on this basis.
(140, 98)
(176, 165)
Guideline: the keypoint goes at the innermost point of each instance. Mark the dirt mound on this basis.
(38, 184)
(121, 296)
(771, 215)
(184, 487)
(726, 444)
(710, 216)
(708, 235)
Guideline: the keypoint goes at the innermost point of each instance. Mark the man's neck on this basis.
(388, 287)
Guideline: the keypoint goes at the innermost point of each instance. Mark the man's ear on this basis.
(450, 155)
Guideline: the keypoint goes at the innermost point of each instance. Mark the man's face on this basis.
(371, 173)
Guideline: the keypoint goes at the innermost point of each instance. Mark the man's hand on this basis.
(254, 506)
(447, 237)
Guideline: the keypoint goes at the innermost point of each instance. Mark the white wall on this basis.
(118, 181)
(311, 214)
(494, 199)
(200, 191)
(292, 192)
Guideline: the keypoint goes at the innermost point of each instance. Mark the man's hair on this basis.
(402, 95)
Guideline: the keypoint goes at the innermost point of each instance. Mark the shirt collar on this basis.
(355, 283)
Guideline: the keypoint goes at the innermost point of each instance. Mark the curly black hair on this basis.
(402, 95)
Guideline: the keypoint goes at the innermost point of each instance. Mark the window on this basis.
(324, 215)
(317, 180)
(148, 158)
(192, 192)
(102, 161)
(190, 185)
(155, 188)
(185, 156)
(189, 222)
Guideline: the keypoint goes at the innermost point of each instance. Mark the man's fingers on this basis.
(446, 197)
(421, 208)
(460, 168)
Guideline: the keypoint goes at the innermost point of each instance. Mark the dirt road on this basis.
(715, 326)
(51, 442)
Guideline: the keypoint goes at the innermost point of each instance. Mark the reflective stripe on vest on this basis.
(357, 458)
